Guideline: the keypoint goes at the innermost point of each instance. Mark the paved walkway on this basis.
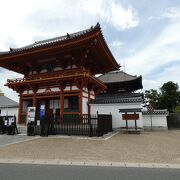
(150, 148)
(12, 139)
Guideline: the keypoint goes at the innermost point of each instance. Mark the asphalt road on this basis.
(53, 172)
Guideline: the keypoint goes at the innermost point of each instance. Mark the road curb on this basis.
(89, 163)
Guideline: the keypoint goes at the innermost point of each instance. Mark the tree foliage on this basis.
(152, 96)
(168, 97)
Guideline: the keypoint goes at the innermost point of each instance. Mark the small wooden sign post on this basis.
(131, 117)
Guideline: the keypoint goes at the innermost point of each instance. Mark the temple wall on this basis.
(84, 105)
(9, 111)
(117, 121)
(158, 121)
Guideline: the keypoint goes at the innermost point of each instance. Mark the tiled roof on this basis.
(155, 112)
(117, 98)
(6, 102)
(130, 110)
(51, 41)
(118, 76)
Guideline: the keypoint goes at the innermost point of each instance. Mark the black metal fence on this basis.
(8, 125)
(88, 125)
(173, 120)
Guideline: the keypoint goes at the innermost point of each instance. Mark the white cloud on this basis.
(24, 20)
(172, 13)
(116, 44)
(113, 13)
(168, 74)
(159, 55)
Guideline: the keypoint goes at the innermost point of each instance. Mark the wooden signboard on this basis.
(130, 116)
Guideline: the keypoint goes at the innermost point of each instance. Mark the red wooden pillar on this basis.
(89, 108)
(80, 103)
(62, 104)
(62, 87)
(20, 108)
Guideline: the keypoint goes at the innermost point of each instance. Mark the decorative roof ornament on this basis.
(11, 49)
(68, 36)
(97, 25)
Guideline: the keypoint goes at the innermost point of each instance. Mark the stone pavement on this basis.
(149, 149)
(12, 139)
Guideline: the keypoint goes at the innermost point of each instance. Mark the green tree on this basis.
(153, 96)
(170, 96)
(167, 98)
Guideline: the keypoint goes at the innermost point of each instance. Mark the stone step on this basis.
(22, 129)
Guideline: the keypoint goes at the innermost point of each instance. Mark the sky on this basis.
(143, 35)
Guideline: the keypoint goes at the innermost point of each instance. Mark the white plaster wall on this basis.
(65, 103)
(92, 97)
(25, 92)
(92, 92)
(43, 70)
(57, 68)
(85, 94)
(55, 89)
(67, 88)
(9, 111)
(85, 89)
(84, 105)
(30, 92)
(24, 107)
(74, 66)
(54, 104)
(74, 88)
(117, 121)
(41, 90)
(158, 121)
(69, 67)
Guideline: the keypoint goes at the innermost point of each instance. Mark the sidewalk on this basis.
(159, 147)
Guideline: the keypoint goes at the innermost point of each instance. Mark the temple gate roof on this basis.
(86, 48)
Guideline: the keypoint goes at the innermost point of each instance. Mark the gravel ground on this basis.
(148, 147)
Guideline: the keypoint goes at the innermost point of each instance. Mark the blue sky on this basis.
(143, 35)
